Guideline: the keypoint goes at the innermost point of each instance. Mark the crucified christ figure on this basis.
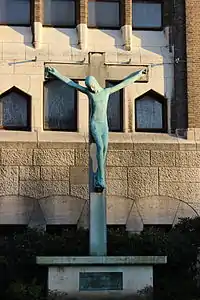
(98, 98)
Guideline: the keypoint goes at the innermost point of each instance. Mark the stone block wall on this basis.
(148, 182)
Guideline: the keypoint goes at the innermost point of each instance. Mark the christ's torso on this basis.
(98, 106)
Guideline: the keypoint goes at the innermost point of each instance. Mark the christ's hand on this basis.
(51, 71)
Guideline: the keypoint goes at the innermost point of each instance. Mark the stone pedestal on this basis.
(100, 275)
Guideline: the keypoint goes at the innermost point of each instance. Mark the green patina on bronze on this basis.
(98, 98)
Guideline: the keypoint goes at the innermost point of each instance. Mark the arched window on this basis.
(60, 106)
(15, 110)
(151, 112)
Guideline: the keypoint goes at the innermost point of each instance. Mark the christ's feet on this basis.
(98, 189)
(99, 183)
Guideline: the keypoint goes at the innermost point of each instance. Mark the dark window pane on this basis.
(149, 113)
(147, 15)
(16, 12)
(115, 110)
(13, 111)
(103, 14)
(59, 12)
(60, 106)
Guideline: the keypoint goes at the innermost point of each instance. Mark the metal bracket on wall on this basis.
(22, 61)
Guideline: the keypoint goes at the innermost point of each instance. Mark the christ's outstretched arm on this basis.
(68, 81)
(127, 81)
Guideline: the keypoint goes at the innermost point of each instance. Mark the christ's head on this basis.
(92, 84)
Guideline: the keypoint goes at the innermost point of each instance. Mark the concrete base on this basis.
(100, 275)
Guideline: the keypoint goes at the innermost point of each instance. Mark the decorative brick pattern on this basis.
(37, 14)
(37, 10)
(82, 11)
(126, 9)
(193, 61)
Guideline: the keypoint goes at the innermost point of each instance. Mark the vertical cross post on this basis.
(98, 231)
(98, 68)
(97, 228)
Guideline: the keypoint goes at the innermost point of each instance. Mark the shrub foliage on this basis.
(22, 279)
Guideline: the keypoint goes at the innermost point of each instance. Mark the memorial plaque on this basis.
(97, 281)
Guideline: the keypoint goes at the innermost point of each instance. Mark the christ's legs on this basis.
(100, 178)
(105, 145)
(97, 134)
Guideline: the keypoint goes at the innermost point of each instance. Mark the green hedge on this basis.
(21, 278)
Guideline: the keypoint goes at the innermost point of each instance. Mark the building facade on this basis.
(153, 165)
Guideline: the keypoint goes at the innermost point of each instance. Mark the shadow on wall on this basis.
(23, 35)
(18, 44)
(105, 40)
(68, 210)
(154, 48)
(65, 37)
(17, 35)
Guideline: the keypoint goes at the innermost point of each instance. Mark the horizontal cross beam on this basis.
(112, 72)
(98, 68)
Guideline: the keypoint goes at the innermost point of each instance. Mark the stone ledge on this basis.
(61, 136)
(117, 141)
(100, 260)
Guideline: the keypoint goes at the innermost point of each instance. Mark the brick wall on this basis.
(193, 61)
(126, 9)
(82, 12)
(37, 10)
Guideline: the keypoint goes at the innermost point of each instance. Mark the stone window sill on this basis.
(63, 139)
